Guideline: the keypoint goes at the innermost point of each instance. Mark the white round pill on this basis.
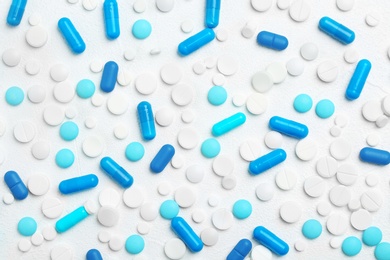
(209, 236)
(164, 116)
(361, 219)
(283, 4)
(219, 79)
(32, 67)
(213, 200)
(139, 6)
(36, 94)
(177, 161)
(187, 26)
(49, 233)
(262, 81)
(8, 198)
(164, 188)
(108, 216)
(38, 184)
(261, 5)
(90, 122)
(249, 29)
(239, 100)
(133, 197)
(257, 103)
(229, 182)
(92, 146)
(260, 252)
(109, 197)
(309, 51)
(335, 131)
(265, 191)
(351, 56)
(372, 110)
(340, 149)
(24, 131)
(372, 180)
(277, 71)
(52, 207)
(210, 62)
(124, 77)
(182, 94)
(222, 35)
(117, 104)
(327, 71)
(97, 100)
(314, 186)
(104, 236)
(34, 19)
(223, 165)
(382, 121)
(90, 5)
(347, 174)
(222, 219)
(188, 138)
(337, 224)
(96, 66)
(11, 57)
(299, 11)
(290, 212)
(386, 105)
(59, 72)
(300, 245)
(341, 120)
(198, 216)
(373, 19)
(250, 150)
(121, 131)
(306, 149)
(175, 249)
(354, 204)
(64, 92)
(286, 179)
(326, 167)
(165, 5)
(36, 36)
(199, 68)
(340, 195)
(143, 228)
(37, 239)
(372, 200)
(185, 197)
(195, 173)
(53, 115)
(116, 243)
(324, 208)
(146, 83)
(149, 211)
(345, 5)
(187, 116)
(171, 73)
(336, 242)
(227, 65)
(24, 245)
(295, 66)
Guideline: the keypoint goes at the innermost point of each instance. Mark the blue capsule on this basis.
(272, 40)
(375, 156)
(78, 184)
(288, 127)
(241, 250)
(146, 120)
(335, 30)
(16, 185)
(186, 234)
(212, 13)
(71, 35)
(117, 173)
(111, 19)
(162, 158)
(358, 79)
(109, 76)
(228, 124)
(270, 241)
(94, 254)
(267, 161)
(196, 41)
(16, 11)
(72, 219)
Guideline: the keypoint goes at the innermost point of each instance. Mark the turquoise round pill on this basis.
(372, 236)
(210, 148)
(242, 209)
(217, 95)
(325, 108)
(141, 29)
(135, 244)
(351, 246)
(312, 229)
(69, 131)
(85, 88)
(27, 226)
(134, 151)
(169, 209)
(14, 96)
(303, 103)
(64, 158)
(382, 251)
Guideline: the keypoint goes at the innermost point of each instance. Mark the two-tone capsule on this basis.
(116, 172)
(241, 250)
(212, 13)
(16, 185)
(196, 41)
(375, 156)
(288, 127)
(358, 80)
(162, 158)
(186, 234)
(228, 124)
(272, 40)
(270, 241)
(146, 120)
(111, 19)
(336, 30)
(109, 76)
(71, 35)
(267, 161)
(78, 184)
(16, 11)
(74, 217)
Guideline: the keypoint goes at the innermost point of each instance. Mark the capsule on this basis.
(270, 241)
(16, 11)
(162, 158)
(288, 127)
(196, 41)
(16, 185)
(117, 173)
(358, 80)
(109, 76)
(111, 19)
(241, 250)
(375, 156)
(186, 234)
(267, 161)
(78, 184)
(71, 35)
(228, 124)
(94, 254)
(272, 40)
(146, 120)
(72, 219)
(212, 13)
(335, 30)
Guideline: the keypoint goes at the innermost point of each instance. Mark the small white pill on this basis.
(382, 121)
(262, 81)
(257, 103)
(37, 239)
(52, 207)
(223, 165)
(187, 26)
(261, 5)
(250, 150)
(386, 105)
(164, 188)
(336, 242)
(24, 131)
(24, 245)
(372, 110)
(38, 184)
(185, 197)
(273, 140)
(116, 243)
(295, 66)
(104, 236)
(277, 71)
(324, 208)
(209, 236)
(175, 249)
(345, 5)
(146, 83)
(222, 219)
(93, 146)
(249, 29)
(49, 233)
(199, 68)
(195, 173)
(90, 5)
(33, 67)
(59, 72)
(108, 216)
(261, 253)
(149, 211)
(96, 66)
(124, 78)
(300, 245)
(198, 216)
(306, 149)
(351, 56)
(283, 4)
(229, 182)
(182, 94)
(327, 71)
(309, 51)
(347, 174)
(171, 73)
(239, 100)
(139, 6)
(335, 131)
(341, 120)
(354, 204)
(290, 212)
(222, 35)
(165, 5)
(265, 191)
(372, 179)
(64, 92)
(117, 104)
(11, 57)
(130, 54)
(227, 65)
(36, 94)
(109, 197)
(143, 228)
(8, 198)
(373, 19)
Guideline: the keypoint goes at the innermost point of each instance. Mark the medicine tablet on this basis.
(340, 195)
(324, 208)
(37, 239)
(222, 35)
(286, 179)
(299, 11)
(182, 94)
(312, 229)
(372, 236)
(143, 228)
(199, 68)
(175, 249)
(59, 72)
(265, 191)
(209, 236)
(261, 253)
(373, 19)
(52, 207)
(97, 100)
(262, 81)
(104, 236)
(33, 67)
(210, 148)
(351, 246)
(249, 29)
(36, 36)
(109, 197)
(327, 71)
(8, 198)
(382, 251)
(124, 78)
(325, 108)
(345, 5)
(229, 182)
(300, 245)
(372, 110)
(347, 174)
(149, 211)
(11, 57)
(382, 121)
(185, 197)
(164, 116)
(188, 138)
(257, 103)
(371, 200)
(171, 73)
(306, 149)
(372, 180)
(335, 131)
(223, 166)
(117, 104)
(49, 233)
(210, 62)
(295, 66)
(336, 242)
(165, 5)
(277, 71)
(34, 19)
(351, 56)
(290, 212)
(222, 219)
(227, 65)
(195, 173)
(242, 209)
(146, 83)
(272, 140)
(261, 5)
(337, 224)
(177, 161)
(90, 5)
(64, 92)
(187, 26)
(121, 131)
(326, 167)
(219, 79)
(213, 200)
(361, 219)
(108, 216)
(24, 131)
(340, 149)
(133, 197)
(38, 184)
(92, 146)
(314, 186)
(198, 216)
(164, 189)
(139, 6)
(36, 94)
(309, 51)
(116, 243)
(354, 204)
(53, 115)
(24, 245)
(341, 120)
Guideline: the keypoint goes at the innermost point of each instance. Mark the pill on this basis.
(340, 195)
(290, 212)
(116, 172)
(288, 127)
(337, 224)
(361, 219)
(108, 216)
(52, 207)
(372, 236)
(347, 174)
(241, 250)
(196, 41)
(299, 11)
(228, 124)
(382, 251)
(111, 19)
(374, 156)
(212, 13)
(314, 186)
(175, 249)
(142, 30)
(249, 29)
(309, 51)
(74, 217)
(327, 71)
(162, 158)
(336, 30)
(78, 184)
(16, 185)
(270, 241)
(186, 234)
(267, 161)
(371, 200)
(16, 11)
(94, 254)
(312, 229)
(146, 119)
(261, 5)
(359, 77)
(109, 76)
(272, 40)
(71, 35)
(286, 179)
(295, 66)
(351, 246)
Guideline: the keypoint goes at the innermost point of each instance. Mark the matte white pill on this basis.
(372, 200)
(36, 36)
(49, 233)
(222, 35)
(38, 184)
(327, 71)
(92, 146)
(277, 71)
(354, 204)
(299, 11)
(249, 29)
(164, 116)
(109, 197)
(335, 131)
(182, 94)
(171, 73)
(337, 224)
(34, 19)
(229, 182)
(340, 195)
(185, 197)
(40, 150)
(59, 72)
(250, 150)
(53, 115)
(290, 212)
(239, 100)
(116, 243)
(273, 140)
(283, 4)
(361, 219)
(213, 200)
(373, 19)
(149, 211)
(219, 79)
(177, 161)
(198, 216)
(295, 66)
(223, 165)
(347, 174)
(104, 236)
(37, 239)
(175, 249)
(210, 62)
(227, 65)
(222, 219)
(261, 5)
(139, 6)
(286, 179)
(345, 5)
(188, 116)
(326, 167)
(336, 242)
(188, 138)
(306, 149)
(309, 51)
(143, 228)
(64, 92)
(96, 66)
(372, 110)
(199, 68)
(314, 186)
(124, 77)
(260, 252)
(262, 81)
(108, 216)
(209, 236)
(386, 105)
(351, 56)
(133, 197)
(300, 245)
(324, 208)
(340, 149)
(130, 54)
(372, 179)
(382, 121)
(165, 5)
(8, 198)
(117, 103)
(11, 57)
(265, 191)
(52, 207)
(90, 5)
(341, 120)
(257, 103)
(164, 188)
(24, 131)
(195, 173)
(121, 131)
(24, 245)
(36, 94)
(187, 26)
(32, 67)
(146, 83)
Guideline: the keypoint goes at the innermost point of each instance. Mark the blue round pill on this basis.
(382, 251)
(312, 229)
(27, 226)
(303, 103)
(325, 108)
(351, 246)
(14, 96)
(64, 158)
(69, 131)
(372, 236)
(141, 29)
(135, 244)
(85, 88)
(210, 148)
(134, 151)
(217, 95)
(169, 209)
(242, 209)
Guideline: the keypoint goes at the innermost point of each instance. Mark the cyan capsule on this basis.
(73, 218)
(109, 76)
(212, 13)
(162, 158)
(335, 30)
(94, 254)
(78, 184)
(241, 250)
(16, 185)
(71, 35)
(270, 240)
(375, 156)
(358, 79)
(111, 19)
(186, 234)
(16, 11)
(228, 124)
(267, 161)
(272, 40)
(196, 41)
(117, 173)
(288, 127)
(146, 120)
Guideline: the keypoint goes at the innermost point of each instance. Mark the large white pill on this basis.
(38, 184)
(295, 66)
(290, 212)
(52, 207)
(249, 29)
(53, 115)
(361, 219)
(209, 236)
(227, 65)
(273, 140)
(64, 92)
(283, 4)
(117, 103)
(354, 204)
(36, 36)
(223, 165)
(337, 224)
(277, 71)
(24, 131)
(171, 73)
(373, 19)
(222, 219)
(133, 197)
(164, 116)
(262, 81)
(165, 5)
(286, 179)
(306, 149)
(327, 71)
(185, 197)
(299, 11)
(314, 186)
(11, 57)
(182, 94)
(109, 197)
(92, 146)
(61, 252)
(386, 105)
(188, 138)
(108, 216)
(347, 174)
(261, 253)
(351, 56)
(149, 211)
(37, 239)
(372, 110)
(324, 208)
(250, 150)
(345, 5)
(24, 245)
(265, 191)
(175, 249)
(340, 149)
(36, 94)
(372, 200)
(146, 83)
(195, 173)
(309, 51)
(34, 19)
(59, 72)
(139, 6)
(257, 103)
(340, 195)
(116, 243)
(326, 167)
(261, 5)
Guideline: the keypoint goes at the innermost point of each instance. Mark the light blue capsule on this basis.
(146, 120)
(359, 77)
(71, 35)
(335, 30)
(111, 19)
(228, 124)
(72, 219)
(186, 234)
(16, 11)
(212, 13)
(116, 172)
(267, 161)
(78, 184)
(196, 41)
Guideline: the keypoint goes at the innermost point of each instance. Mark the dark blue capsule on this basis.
(272, 40)
(212, 13)
(359, 77)
(375, 156)
(71, 35)
(16, 185)
(94, 254)
(146, 120)
(111, 19)
(78, 184)
(162, 158)
(186, 234)
(270, 241)
(117, 173)
(16, 11)
(109, 76)
(241, 250)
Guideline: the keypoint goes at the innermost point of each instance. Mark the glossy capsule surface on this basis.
(336, 30)
(72, 219)
(16, 11)
(241, 250)
(78, 184)
(288, 127)
(196, 41)
(272, 40)
(109, 76)
(374, 156)
(270, 241)
(16, 185)
(228, 124)
(186, 234)
(162, 158)
(94, 254)
(116, 172)
(71, 35)
(267, 161)
(212, 13)
(146, 120)
(111, 19)
(359, 77)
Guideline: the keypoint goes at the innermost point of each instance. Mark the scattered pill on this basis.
(37, 239)
(37, 36)
(249, 29)
(299, 11)
(222, 219)
(186, 234)
(16, 185)
(347, 174)
(175, 249)
(15, 12)
(327, 71)
(340, 149)
(264, 191)
(361, 219)
(295, 66)
(306, 149)
(71, 35)
(337, 224)
(325, 108)
(104, 236)
(374, 156)
(372, 180)
(61, 251)
(52, 207)
(314, 186)
(290, 212)
(49, 233)
(169, 209)
(261, 253)
(351, 246)
(24, 131)
(288, 127)
(324, 208)
(351, 56)
(116, 243)
(371, 200)
(336, 30)
(372, 236)
(74, 217)
(108, 216)
(242, 209)
(162, 158)
(373, 19)
(111, 19)
(135, 151)
(217, 95)
(309, 51)
(14, 96)
(382, 251)
(286, 179)
(141, 29)
(340, 195)
(24, 245)
(272, 41)
(209, 236)
(109, 76)
(38, 184)
(185, 197)
(196, 41)
(94, 254)
(210, 148)
(116, 172)
(27, 226)
(78, 184)
(8, 198)
(359, 77)
(277, 71)
(312, 229)
(326, 167)
(145, 116)
(270, 241)
(241, 250)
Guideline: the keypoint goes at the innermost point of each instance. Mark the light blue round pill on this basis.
(242, 209)
(217, 95)
(141, 29)
(169, 209)
(14, 96)
(210, 148)
(303, 103)
(134, 151)
(27, 226)
(351, 246)
(135, 244)
(372, 236)
(382, 251)
(85, 88)
(64, 158)
(325, 108)
(69, 131)
(312, 229)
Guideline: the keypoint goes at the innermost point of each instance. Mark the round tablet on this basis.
(372, 180)
(104, 236)
(175, 249)
(249, 29)
(116, 243)
(49, 233)
(373, 19)
(11, 57)
(97, 100)
(327, 71)
(326, 167)
(182, 94)
(52, 208)
(188, 138)
(69, 131)
(261, 5)
(139, 6)
(187, 116)
(169, 209)
(33, 67)
(117, 104)
(195, 173)
(135, 151)
(143, 228)
(314, 186)
(222, 219)
(108, 216)
(141, 29)
(164, 116)
(273, 140)
(53, 115)
(90, 122)
(177, 161)
(290, 212)
(372, 236)
(373, 139)
(345, 5)
(24, 131)
(27, 226)
(299, 11)
(121, 131)
(37, 239)
(63, 92)
(59, 72)
(309, 51)
(324, 208)
(239, 100)
(341, 120)
(229, 182)
(185, 197)
(187, 26)
(213, 200)
(306, 149)
(257, 103)
(340, 195)
(340, 149)
(382, 121)
(110, 197)
(170, 73)
(242, 209)
(164, 189)
(90, 5)
(96, 66)
(351, 56)
(209, 236)
(8, 198)
(133, 197)
(351, 246)
(165, 5)
(24, 245)
(286, 179)
(337, 224)
(149, 211)
(295, 66)
(14, 96)
(38, 184)
(34, 19)
(222, 35)
(210, 148)
(36, 36)
(303, 103)
(217, 95)
(146, 83)
(199, 68)
(325, 108)
(372, 110)
(227, 65)
(223, 166)
(262, 81)
(36, 94)
(277, 71)
(382, 251)
(135, 244)
(335, 131)
(336, 242)
(64, 158)
(312, 229)
(371, 200)
(85, 88)
(361, 219)
(283, 4)
(261, 253)
(92, 146)
(265, 191)
(347, 174)
(354, 204)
